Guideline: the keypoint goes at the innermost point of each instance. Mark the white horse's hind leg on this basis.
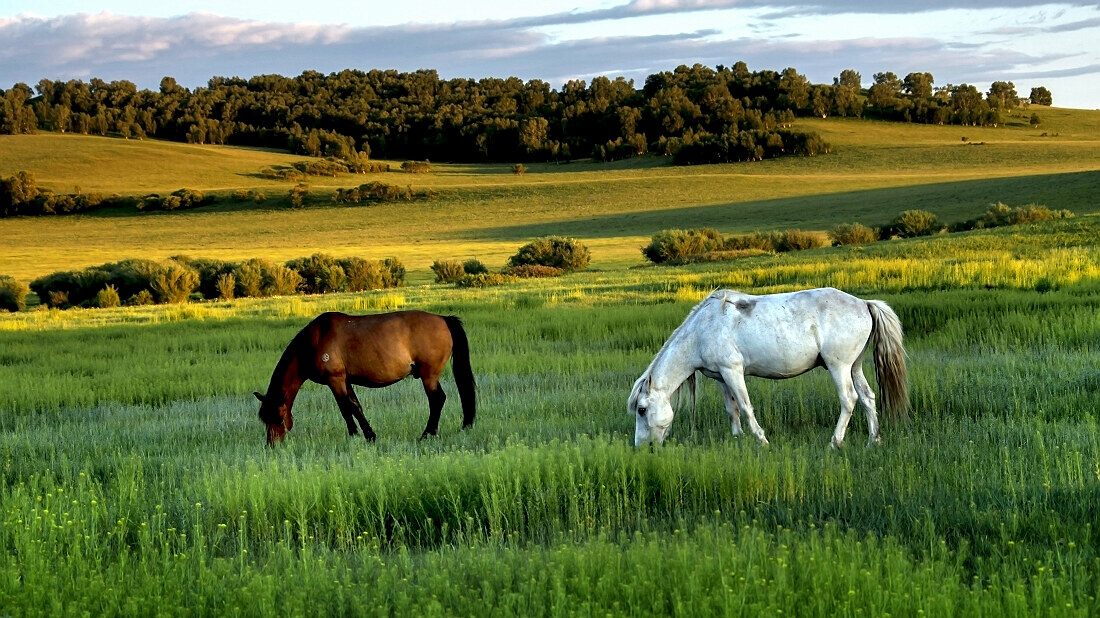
(732, 409)
(867, 399)
(735, 382)
(842, 377)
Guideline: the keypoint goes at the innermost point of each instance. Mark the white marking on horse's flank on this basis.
(324, 358)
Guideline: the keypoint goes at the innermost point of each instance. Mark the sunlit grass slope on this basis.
(876, 171)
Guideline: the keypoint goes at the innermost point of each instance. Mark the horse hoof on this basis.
(370, 436)
(833, 444)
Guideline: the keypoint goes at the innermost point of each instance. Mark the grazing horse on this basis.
(339, 350)
(730, 335)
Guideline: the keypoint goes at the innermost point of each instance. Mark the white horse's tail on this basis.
(890, 371)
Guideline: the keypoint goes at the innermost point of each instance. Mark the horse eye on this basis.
(641, 411)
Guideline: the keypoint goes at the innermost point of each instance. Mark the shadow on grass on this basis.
(950, 201)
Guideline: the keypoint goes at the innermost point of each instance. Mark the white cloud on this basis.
(633, 40)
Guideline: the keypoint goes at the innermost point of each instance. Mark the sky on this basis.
(1030, 43)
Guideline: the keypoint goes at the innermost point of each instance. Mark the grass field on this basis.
(135, 480)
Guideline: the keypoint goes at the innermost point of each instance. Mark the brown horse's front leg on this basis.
(350, 408)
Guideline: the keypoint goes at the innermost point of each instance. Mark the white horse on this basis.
(730, 335)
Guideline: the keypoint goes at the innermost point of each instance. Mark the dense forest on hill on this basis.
(696, 114)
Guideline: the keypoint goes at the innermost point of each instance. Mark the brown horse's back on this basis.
(378, 350)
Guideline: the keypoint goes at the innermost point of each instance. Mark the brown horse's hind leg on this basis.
(436, 399)
(350, 407)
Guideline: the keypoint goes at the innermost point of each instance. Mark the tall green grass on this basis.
(135, 478)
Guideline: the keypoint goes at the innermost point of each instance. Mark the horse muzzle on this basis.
(275, 434)
(644, 434)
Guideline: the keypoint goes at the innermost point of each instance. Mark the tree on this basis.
(850, 78)
(822, 101)
(1002, 95)
(885, 91)
(795, 89)
(1041, 96)
(918, 85)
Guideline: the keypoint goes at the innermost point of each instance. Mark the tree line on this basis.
(718, 114)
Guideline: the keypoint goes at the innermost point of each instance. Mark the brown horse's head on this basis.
(277, 416)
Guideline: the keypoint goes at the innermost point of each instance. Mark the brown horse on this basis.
(339, 350)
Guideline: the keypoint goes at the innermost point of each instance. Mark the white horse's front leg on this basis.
(735, 382)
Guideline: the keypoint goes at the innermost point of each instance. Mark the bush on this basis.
(144, 297)
(756, 241)
(107, 298)
(242, 195)
(13, 294)
(362, 274)
(259, 277)
(319, 274)
(531, 271)
(249, 276)
(1001, 214)
(174, 283)
(564, 253)
(393, 273)
(519, 169)
(473, 266)
(852, 234)
(674, 244)
(226, 286)
(331, 279)
(58, 299)
(281, 281)
(448, 271)
(298, 195)
(484, 280)
(416, 167)
(799, 240)
(210, 272)
(912, 223)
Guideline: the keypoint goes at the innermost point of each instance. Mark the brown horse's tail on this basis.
(464, 374)
(890, 371)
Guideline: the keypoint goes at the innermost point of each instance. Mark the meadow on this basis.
(136, 481)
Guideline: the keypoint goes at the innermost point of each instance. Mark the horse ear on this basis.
(258, 396)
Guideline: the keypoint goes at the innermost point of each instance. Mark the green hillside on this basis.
(876, 170)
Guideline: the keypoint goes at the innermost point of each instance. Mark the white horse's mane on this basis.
(676, 395)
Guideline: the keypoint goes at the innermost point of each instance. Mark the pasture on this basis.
(136, 480)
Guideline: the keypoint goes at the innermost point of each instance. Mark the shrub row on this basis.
(329, 166)
(380, 192)
(21, 195)
(692, 245)
(177, 200)
(753, 145)
(698, 245)
(178, 279)
(551, 256)
(416, 167)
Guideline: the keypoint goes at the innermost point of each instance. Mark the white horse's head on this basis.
(652, 412)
